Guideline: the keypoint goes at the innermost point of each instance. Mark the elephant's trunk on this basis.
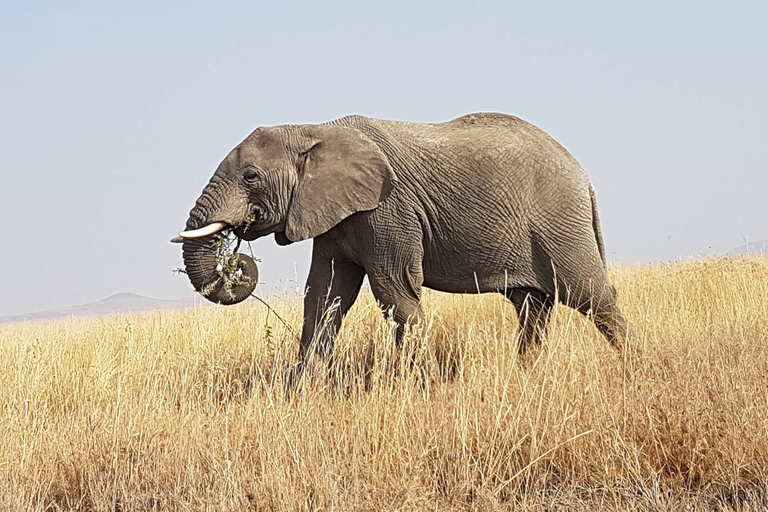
(220, 276)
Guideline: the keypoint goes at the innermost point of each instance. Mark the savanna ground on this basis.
(188, 410)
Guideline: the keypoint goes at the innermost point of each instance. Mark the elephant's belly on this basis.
(486, 284)
(477, 271)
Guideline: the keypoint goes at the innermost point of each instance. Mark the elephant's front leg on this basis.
(399, 295)
(332, 287)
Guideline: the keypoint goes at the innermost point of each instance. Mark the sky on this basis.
(113, 116)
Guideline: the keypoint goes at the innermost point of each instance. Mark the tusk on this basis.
(177, 240)
(204, 231)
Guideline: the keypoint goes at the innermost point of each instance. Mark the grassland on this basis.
(188, 410)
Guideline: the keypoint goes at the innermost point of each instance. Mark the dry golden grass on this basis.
(188, 411)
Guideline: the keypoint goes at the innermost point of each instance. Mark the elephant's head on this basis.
(295, 181)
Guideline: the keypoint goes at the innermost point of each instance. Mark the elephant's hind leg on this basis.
(534, 308)
(582, 282)
(609, 320)
(600, 306)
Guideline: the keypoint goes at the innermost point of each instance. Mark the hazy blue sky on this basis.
(113, 116)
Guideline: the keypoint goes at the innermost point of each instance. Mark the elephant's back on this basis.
(481, 161)
(489, 119)
(526, 137)
(480, 188)
(478, 137)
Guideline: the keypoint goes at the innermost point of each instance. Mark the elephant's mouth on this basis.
(249, 232)
(257, 224)
(217, 270)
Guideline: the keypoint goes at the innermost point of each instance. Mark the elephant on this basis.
(486, 202)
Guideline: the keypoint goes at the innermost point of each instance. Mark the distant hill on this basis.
(756, 247)
(120, 303)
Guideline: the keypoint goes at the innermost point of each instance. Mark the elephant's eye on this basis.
(251, 175)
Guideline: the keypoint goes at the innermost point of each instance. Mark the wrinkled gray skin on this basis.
(483, 203)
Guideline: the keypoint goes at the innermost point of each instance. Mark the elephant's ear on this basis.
(340, 172)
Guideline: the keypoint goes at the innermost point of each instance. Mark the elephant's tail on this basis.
(596, 224)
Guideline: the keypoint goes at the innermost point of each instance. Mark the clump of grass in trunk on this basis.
(228, 265)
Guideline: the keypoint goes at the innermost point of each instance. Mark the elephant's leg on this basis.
(603, 310)
(596, 298)
(332, 288)
(572, 269)
(399, 295)
(533, 308)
